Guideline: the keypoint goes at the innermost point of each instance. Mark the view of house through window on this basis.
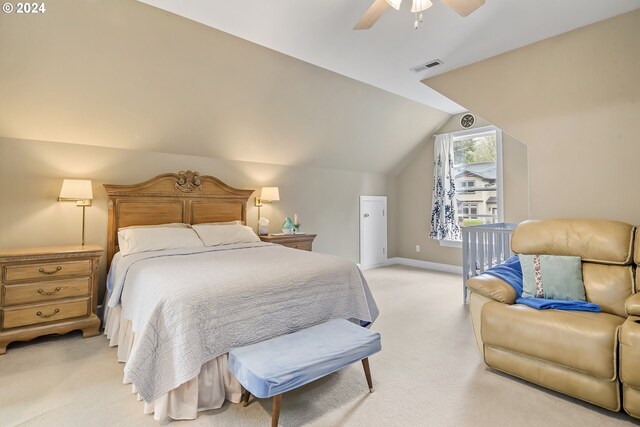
(477, 182)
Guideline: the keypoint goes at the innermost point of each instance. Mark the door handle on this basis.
(366, 215)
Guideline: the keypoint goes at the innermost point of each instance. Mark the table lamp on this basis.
(267, 195)
(79, 191)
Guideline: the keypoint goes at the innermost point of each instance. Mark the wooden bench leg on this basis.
(245, 398)
(275, 410)
(367, 373)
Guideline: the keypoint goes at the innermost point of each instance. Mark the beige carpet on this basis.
(429, 373)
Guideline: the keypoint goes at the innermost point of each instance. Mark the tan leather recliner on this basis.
(630, 347)
(572, 352)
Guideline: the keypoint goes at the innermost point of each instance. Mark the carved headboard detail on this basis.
(188, 182)
(184, 197)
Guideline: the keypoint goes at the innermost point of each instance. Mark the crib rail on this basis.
(484, 246)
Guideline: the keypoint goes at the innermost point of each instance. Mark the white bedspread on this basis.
(190, 306)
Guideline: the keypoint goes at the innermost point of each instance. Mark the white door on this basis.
(373, 231)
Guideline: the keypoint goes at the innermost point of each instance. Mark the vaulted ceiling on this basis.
(124, 74)
(320, 32)
(128, 75)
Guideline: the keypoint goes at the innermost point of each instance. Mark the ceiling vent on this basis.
(426, 66)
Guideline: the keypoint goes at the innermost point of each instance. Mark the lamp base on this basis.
(83, 215)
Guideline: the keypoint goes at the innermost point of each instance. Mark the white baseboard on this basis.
(369, 267)
(427, 265)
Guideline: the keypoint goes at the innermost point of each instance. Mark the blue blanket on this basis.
(511, 272)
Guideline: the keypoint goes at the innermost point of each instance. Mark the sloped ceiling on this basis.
(126, 75)
(320, 32)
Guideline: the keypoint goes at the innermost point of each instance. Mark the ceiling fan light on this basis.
(394, 3)
(420, 5)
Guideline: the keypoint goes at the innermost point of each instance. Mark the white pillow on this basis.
(225, 234)
(154, 238)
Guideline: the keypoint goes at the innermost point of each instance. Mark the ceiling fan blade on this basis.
(464, 7)
(375, 11)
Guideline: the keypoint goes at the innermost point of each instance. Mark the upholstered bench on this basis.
(273, 367)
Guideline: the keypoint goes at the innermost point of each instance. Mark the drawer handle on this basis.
(43, 271)
(42, 292)
(46, 316)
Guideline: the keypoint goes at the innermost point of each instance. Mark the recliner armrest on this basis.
(493, 288)
(632, 305)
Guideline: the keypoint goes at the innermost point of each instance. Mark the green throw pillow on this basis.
(552, 277)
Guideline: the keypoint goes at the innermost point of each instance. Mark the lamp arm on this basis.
(83, 211)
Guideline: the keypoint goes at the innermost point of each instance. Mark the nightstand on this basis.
(296, 241)
(51, 290)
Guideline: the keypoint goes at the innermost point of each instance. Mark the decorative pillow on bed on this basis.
(225, 234)
(155, 238)
(552, 277)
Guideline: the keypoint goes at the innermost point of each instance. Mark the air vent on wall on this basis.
(426, 65)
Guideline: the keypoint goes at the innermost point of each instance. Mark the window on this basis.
(477, 155)
(468, 208)
(467, 186)
(478, 171)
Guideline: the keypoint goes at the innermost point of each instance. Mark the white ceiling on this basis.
(319, 32)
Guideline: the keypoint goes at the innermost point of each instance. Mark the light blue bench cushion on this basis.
(284, 363)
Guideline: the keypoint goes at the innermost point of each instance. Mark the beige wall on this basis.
(31, 174)
(574, 100)
(393, 218)
(415, 188)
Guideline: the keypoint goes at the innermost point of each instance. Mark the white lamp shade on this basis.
(394, 3)
(270, 194)
(420, 5)
(76, 189)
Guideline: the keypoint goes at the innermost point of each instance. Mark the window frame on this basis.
(499, 172)
(469, 206)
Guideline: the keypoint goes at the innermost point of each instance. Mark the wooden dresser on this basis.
(296, 241)
(50, 290)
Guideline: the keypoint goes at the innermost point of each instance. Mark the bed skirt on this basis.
(213, 385)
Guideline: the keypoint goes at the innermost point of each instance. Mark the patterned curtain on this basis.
(444, 215)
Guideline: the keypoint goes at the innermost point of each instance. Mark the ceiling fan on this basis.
(378, 7)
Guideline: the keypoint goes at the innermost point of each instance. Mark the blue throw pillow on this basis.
(552, 277)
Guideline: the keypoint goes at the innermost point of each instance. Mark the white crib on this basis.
(484, 246)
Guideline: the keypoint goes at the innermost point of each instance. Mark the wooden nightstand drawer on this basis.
(46, 270)
(305, 246)
(46, 291)
(15, 317)
(302, 241)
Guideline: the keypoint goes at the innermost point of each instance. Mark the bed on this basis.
(175, 313)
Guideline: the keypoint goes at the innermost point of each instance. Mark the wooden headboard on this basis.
(183, 197)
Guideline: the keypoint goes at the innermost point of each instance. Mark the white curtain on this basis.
(444, 215)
